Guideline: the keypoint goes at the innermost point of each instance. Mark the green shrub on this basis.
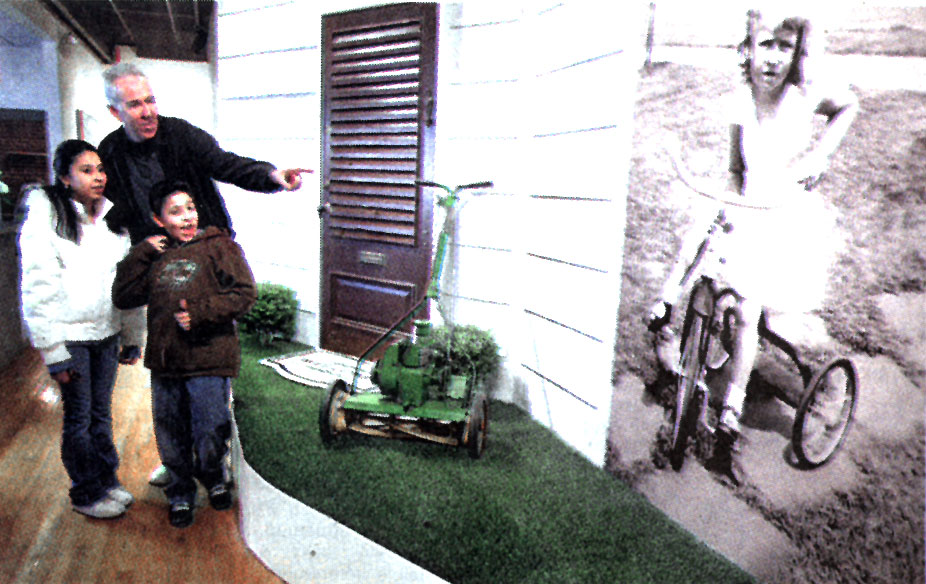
(470, 350)
(273, 316)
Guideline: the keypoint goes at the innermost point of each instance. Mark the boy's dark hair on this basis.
(162, 190)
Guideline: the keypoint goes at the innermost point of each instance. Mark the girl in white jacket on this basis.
(69, 258)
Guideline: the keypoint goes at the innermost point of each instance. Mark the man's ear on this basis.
(114, 112)
(157, 220)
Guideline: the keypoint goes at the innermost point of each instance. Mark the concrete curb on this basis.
(300, 544)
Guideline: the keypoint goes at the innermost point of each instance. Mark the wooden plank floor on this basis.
(42, 540)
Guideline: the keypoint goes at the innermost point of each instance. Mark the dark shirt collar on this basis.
(141, 148)
(145, 147)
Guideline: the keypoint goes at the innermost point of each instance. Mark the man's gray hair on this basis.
(113, 74)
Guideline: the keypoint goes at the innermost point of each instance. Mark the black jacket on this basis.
(185, 153)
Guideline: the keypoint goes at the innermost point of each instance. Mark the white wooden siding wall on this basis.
(479, 138)
(268, 69)
(539, 99)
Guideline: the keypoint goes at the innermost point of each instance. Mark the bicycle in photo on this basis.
(825, 407)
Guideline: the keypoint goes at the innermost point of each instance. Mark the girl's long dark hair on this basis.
(59, 194)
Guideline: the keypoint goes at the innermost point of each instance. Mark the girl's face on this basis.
(178, 217)
(86, 178)
(773, 57)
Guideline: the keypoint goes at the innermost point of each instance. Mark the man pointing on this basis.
(149, 148)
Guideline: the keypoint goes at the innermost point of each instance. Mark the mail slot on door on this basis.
(373, 257)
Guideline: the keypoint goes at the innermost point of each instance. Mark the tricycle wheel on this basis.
(476, 427)
(689, 374)
(825, 413)
(331, 417)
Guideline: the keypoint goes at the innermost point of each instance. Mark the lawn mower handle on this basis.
(433, 290)
(476, 185)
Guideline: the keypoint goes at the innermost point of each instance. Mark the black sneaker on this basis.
(724, 460)
(220, 497)
(180, 514)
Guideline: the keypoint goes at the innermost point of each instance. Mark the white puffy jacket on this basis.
(66, 287)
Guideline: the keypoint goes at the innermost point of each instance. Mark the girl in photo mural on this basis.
(69, 258)
(777, 257)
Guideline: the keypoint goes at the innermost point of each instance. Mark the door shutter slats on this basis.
(377, 127)
(373, 193)
(376, 36)
(375, 91)
(373, 86)
(394, 218)
(372, 140)
(381, 74)
(392, 76)
(379, 176)
(355, 115)
(348, 200)
(379, 68)
(348, 165)
(385, 153)
(401, 54)
(382, 103)
(396, 64)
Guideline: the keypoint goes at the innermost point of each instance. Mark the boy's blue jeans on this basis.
(192, 424)
(87, 448)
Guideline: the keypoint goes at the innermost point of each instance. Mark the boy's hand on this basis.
(183, 315)
(158, 242)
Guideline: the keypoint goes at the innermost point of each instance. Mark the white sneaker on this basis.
(120, 495)
(105, 508)
(160, 477)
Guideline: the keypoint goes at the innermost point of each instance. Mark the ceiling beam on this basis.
(173, 23)
(58, 9)
(125, 25)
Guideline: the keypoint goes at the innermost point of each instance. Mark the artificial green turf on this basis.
(531, 510)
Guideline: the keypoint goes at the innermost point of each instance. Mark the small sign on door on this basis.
(373, 257)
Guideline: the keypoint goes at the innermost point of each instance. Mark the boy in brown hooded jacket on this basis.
(195, 283)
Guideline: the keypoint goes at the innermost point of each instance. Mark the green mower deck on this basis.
(376, 403)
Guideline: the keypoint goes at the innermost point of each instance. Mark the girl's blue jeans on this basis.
(192, 424)
(87, 448)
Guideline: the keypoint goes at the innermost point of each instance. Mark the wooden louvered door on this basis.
(379, 83)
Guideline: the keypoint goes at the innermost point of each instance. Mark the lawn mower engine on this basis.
(418, 395)
(409, 374)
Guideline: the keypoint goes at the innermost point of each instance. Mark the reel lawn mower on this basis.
(416, 395)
